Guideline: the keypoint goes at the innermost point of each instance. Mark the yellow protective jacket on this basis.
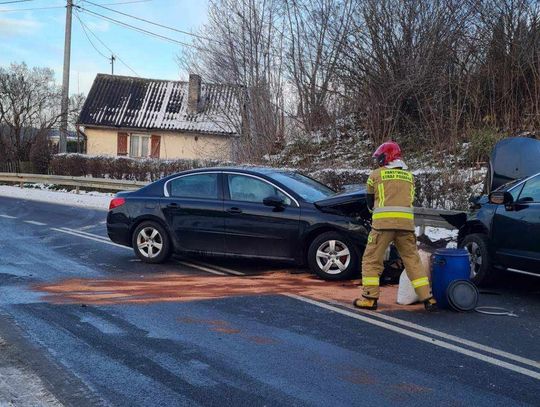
(394, 196)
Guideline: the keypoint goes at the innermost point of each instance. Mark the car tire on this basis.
(151, 242)
(330, 266)
(478, 246)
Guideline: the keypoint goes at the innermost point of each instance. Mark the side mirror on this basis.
(275, 201)
(501, 198)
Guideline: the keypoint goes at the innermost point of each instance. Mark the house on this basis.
(138, 117)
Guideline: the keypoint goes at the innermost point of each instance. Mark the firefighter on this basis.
(390, 196)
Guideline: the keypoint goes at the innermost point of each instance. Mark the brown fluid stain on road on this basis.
(181, 288)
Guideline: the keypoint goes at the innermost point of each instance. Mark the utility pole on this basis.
(113, 58)
(62, 145)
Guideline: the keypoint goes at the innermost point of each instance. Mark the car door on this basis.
(193, 208)
(254, 229)
(516, 228)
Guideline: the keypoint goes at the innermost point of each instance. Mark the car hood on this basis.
(513, 158)
(350, 202)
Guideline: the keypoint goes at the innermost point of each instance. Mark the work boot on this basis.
(366, 303)
(431, 305)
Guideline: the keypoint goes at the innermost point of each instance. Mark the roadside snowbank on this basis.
(94, 200)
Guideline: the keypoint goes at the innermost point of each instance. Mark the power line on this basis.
(142, 30)
(14, 1)
(105, 45)
(126, 2)
(30, 9)
(88, 37)
(151, 22)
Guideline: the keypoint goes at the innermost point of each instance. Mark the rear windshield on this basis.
(309, 189)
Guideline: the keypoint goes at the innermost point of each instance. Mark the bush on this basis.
(40, 154)
(481, 143)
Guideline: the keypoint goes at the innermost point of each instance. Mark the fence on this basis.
(423, 216)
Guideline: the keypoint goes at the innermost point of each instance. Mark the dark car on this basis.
(502, 230)
(245, 212)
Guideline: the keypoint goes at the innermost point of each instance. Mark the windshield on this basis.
(509, 185)
(309, 189)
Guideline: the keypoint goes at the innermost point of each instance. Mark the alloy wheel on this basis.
(149, 242)
(475, 256)
(333, 257)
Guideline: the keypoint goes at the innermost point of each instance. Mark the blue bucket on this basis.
(448, 265)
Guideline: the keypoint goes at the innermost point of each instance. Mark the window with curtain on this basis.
(139, 145)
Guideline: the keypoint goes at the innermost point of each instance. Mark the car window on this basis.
(249, 189)
(195, 186)
(531, 190)
(307, 188)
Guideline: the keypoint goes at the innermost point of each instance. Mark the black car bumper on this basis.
(118, 229)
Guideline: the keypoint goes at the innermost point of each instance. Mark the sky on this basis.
(36, 37)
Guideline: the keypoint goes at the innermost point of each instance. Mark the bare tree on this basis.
(29, 109)
(241, 45)
(316, 36)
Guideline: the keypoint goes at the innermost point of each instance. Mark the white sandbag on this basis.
(406, 294)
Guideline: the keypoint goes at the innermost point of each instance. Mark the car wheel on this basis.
(333, 257)
(478, 247)
(151, 243)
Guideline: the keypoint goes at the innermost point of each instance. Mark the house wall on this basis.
(172, 146)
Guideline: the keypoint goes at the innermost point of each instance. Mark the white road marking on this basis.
(88, 227)
(80, 232)
(8, 217)
(202, 268)
(453, 338)
(224, 269)
(33, 222)
(90, 237)
(101, 239)
(209, 268)
(421, 337)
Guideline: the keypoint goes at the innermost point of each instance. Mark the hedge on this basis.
(447, 188)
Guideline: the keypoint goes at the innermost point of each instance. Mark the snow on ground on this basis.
(94, 200)
(436, 234)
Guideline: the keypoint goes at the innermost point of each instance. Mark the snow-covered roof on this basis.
(138, 103)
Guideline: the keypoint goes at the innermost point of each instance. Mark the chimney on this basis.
(194, 93)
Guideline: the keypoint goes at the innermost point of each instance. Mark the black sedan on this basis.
(244, 212)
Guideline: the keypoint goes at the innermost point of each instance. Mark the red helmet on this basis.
(387, 152)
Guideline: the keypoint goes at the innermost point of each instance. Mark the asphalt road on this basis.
(100, 328)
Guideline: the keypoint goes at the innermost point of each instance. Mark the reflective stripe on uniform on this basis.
(381, 195)
(387, 212)
(389, 215)
(399, 175)
(404, 209)
(370, 182)
(374, 281)
(420, 282)
(412, 194)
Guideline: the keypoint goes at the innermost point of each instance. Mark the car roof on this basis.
(247, 169)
